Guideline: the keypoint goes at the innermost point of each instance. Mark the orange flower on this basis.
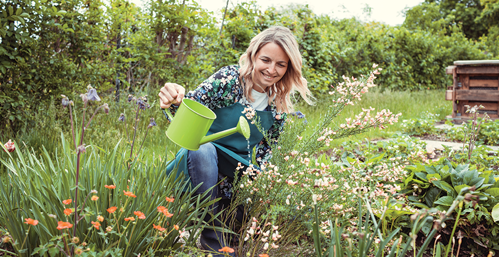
(112, 209)
(68, 212)
(63, 225)
(96, 224)
(100, 218)
(110, 186)
(170, 200)
(176, 227)
(158, 227)
(9, 146)
(94, 198)
(66, 202)
(226, 249)
(167, 214)
(130, 218)
(263, 255)
(140, 215)
(32, 222)
(162, 209)
(130, 194)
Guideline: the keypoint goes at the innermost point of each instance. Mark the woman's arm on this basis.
(220, 90)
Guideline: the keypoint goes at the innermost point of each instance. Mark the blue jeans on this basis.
(203, 169)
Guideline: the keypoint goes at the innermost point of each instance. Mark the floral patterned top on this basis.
(223, 89)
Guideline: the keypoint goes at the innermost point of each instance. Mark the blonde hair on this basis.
(291, 81)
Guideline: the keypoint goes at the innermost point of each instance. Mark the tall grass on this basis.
(106, 130)
(410, 104)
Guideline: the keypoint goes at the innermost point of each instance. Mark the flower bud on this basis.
(106, 108)
(152, 123)
(81, 148)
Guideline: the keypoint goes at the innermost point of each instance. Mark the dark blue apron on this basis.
(231, 149)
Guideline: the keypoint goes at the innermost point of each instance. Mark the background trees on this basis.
(50, 48)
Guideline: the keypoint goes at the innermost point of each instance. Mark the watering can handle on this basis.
(167, 113)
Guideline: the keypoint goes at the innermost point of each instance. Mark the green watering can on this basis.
(191, 123)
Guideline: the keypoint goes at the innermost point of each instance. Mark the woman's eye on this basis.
(265, 60)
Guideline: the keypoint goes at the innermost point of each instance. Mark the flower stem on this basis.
(137, 155)
(72, 127)
(135, 129)
(96, 110)
(27, 233)
(78, 169)
(453, 231)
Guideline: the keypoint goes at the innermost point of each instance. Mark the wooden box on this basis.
(474, 83)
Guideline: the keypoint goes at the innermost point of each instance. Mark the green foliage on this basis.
(464, 13)
(488, 134)
(41, 183)
(422, 126)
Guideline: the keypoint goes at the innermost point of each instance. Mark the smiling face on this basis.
(271, 63)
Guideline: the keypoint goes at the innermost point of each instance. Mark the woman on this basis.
(267, 74)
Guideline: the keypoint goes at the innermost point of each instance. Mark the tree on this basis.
(464, 13)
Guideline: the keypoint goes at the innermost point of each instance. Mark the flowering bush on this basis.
(281, 193)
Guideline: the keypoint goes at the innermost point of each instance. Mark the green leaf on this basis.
(493, 192)
(445, 200)
(19, 11)
(444, 186)
(495, 213)
(431, 196)
(460, 187)
(421, 175)
(435, 175)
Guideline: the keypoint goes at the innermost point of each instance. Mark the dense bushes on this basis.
(50, 48)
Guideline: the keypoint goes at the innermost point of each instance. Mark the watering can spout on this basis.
(242, 127)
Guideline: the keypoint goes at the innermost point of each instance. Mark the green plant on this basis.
(41, 183)
(422, 126)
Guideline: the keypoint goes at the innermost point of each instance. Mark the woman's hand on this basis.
(171, 93)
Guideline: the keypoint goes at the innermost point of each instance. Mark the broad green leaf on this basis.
(493, 192)
(495, 213)
(444, 186)
(435, 175)
(460, 187)
(445, 200)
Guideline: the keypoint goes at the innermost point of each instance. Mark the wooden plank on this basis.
(448, 95)
(477, 62)
(484, 83)
(477, 69)
(449, 69)
(466, 82)
(477, 95)
(488, 106)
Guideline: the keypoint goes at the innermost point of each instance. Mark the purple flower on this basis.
(122, 117)
(299, 114)
(142, 104)
(92, 95)
(130, 98)
(65, 101)
(152, 123)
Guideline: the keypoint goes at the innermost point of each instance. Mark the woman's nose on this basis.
(271, 68)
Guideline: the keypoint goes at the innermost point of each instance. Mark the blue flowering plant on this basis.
(88, 97)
